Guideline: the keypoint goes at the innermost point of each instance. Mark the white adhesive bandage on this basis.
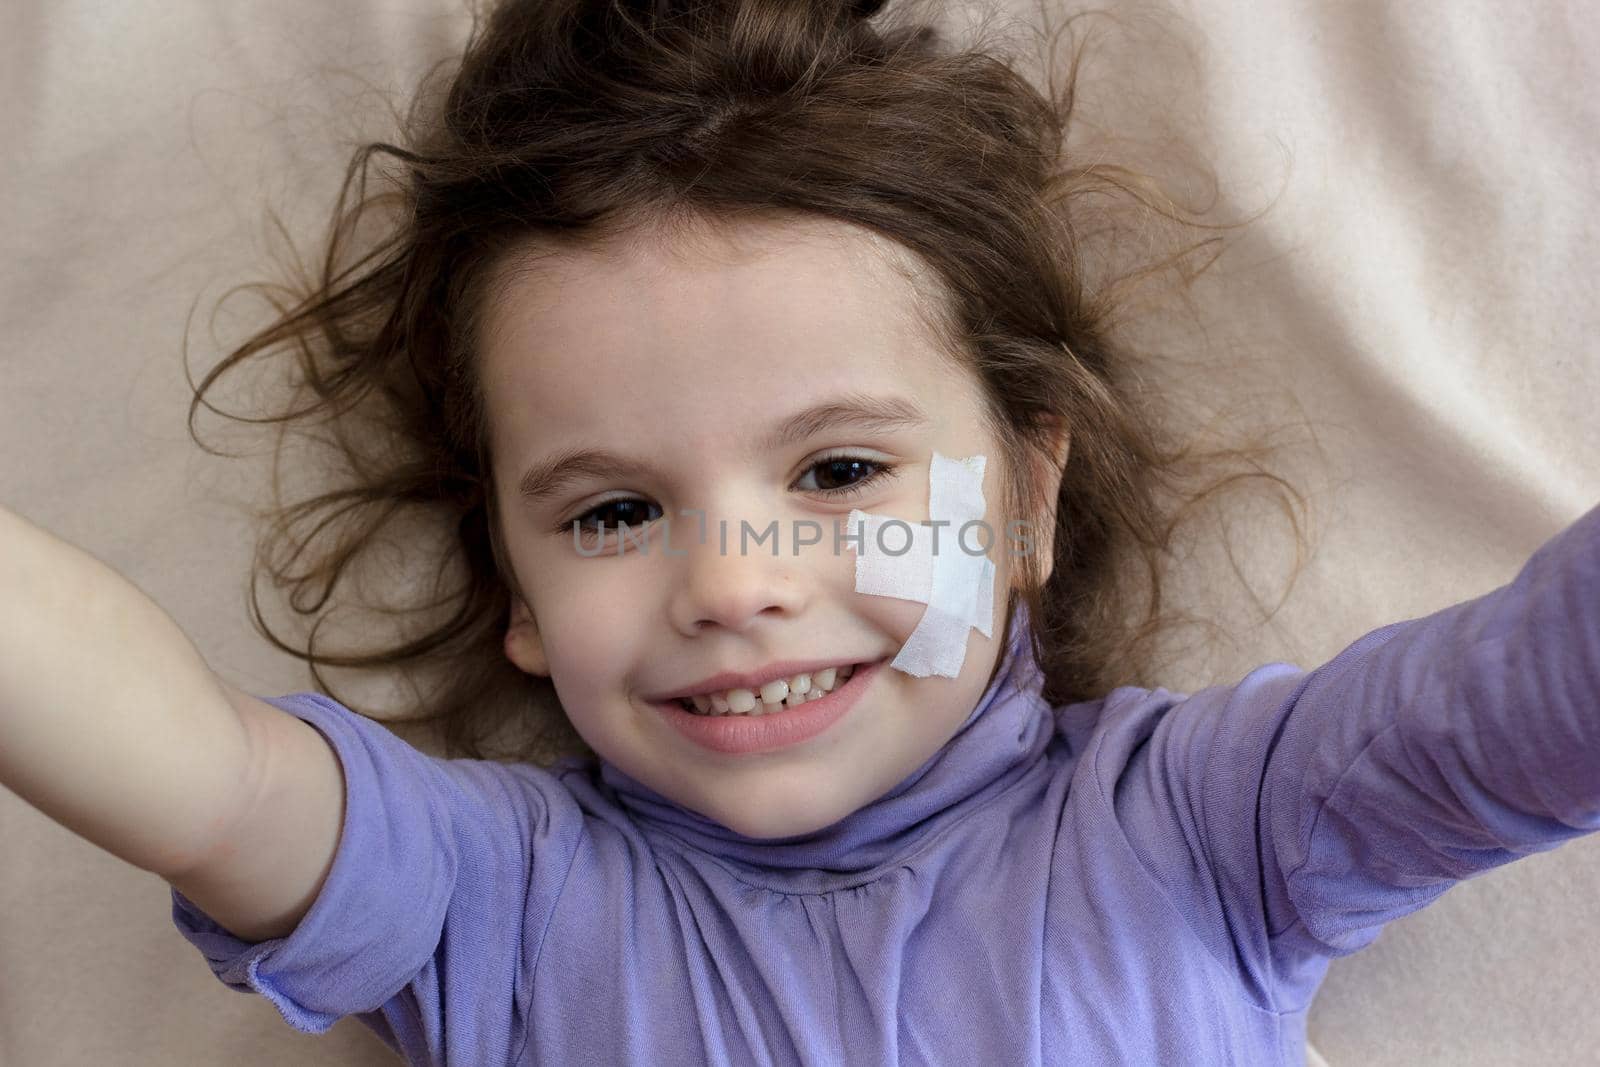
(958, 587)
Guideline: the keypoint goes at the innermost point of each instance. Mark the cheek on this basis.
(893, 616)
(587, 629)
(934, 707)
(899, 617)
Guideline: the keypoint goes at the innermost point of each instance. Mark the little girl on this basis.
(671, 279)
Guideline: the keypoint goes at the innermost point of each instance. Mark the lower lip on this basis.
(746, 734)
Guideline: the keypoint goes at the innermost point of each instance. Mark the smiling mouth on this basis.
(777, 728)
(771, 699)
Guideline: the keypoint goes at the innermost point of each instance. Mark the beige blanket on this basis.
(1423, 287)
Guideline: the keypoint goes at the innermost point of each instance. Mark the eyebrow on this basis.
(879, 414)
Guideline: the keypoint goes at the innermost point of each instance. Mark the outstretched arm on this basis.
(1437, 749)
(1296, 813)
(112, 724)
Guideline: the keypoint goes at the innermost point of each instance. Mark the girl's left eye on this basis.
(835, 465)
(629, 508)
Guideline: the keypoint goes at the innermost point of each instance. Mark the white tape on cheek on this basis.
(957, 587)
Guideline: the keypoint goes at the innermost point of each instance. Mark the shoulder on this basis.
(1126, 724)
(461, 796)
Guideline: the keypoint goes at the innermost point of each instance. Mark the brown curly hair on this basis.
(574, 121)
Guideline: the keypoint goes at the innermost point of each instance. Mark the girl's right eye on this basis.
(622, 510)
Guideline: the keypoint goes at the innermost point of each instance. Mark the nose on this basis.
(728, 588)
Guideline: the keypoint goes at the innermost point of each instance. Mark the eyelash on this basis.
(589, 533)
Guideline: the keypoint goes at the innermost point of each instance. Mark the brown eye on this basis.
(611, 515)
(844, 475)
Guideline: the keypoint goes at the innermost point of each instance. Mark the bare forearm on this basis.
(110, 721)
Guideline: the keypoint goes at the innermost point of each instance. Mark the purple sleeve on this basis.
(445, 869)
(1296, 814)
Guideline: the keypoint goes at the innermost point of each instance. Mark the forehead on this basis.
(700, 323)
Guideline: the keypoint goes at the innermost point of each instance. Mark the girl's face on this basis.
(682, 361)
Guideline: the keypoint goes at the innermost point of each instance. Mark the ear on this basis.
(1047, 476)
(523, 644)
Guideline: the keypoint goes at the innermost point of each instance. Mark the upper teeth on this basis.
(782, 692)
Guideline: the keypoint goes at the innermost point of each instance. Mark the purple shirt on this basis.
(1144, 878)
